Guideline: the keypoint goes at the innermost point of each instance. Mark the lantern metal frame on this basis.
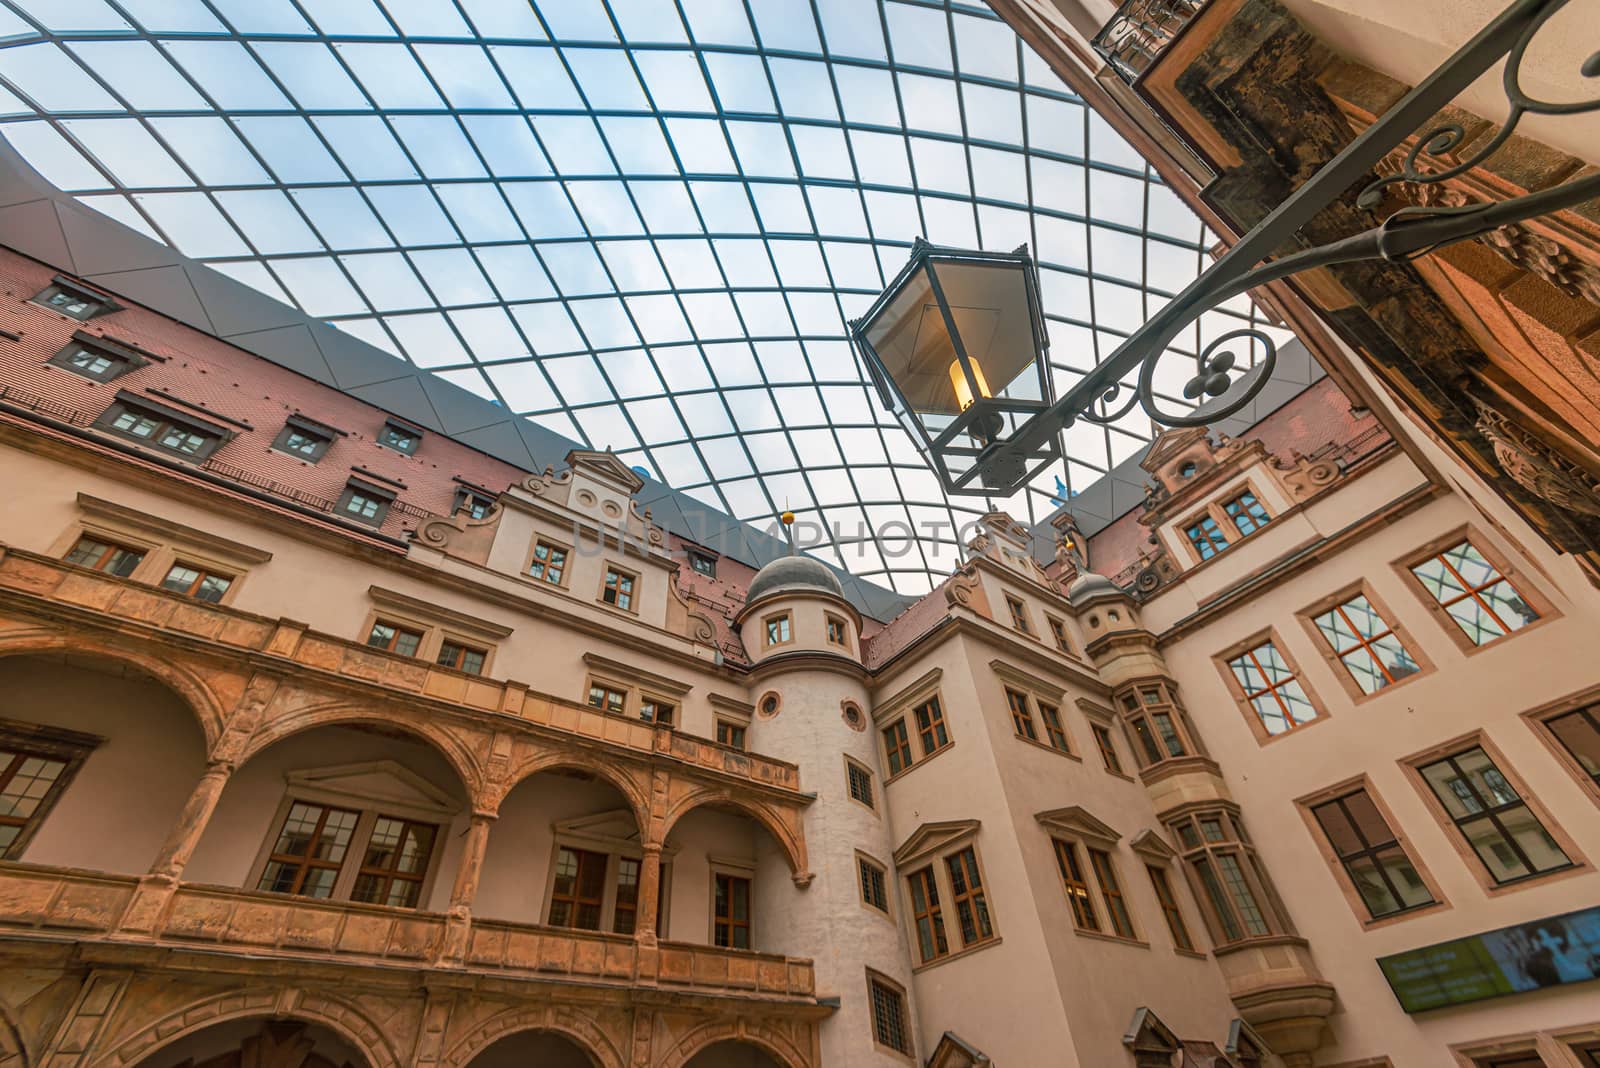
(985, 412)
(1006, 464)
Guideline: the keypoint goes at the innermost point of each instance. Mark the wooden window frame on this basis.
(883, 883)
(1412, 767)
(1215, 510)
(719, 872)
(1539, 720)
(870, 803)
(877, 981)
(1106, 744)
(1017, 703)
(1141, 709)
(1234, 843)
(1070, 866)
(932, 731)
(1018, 608)
(632, 593)
(729, 726)
(304, 863)
(109, 546)
(399, 629)
(1334, 602)
(781, 622)
(1104, 865)
(575, 900)
(458, 663)
(391, 875)
(831, 624)
(897, 748)
(972, 893)
(203, 572)
(1336, 866)
(1523, 584)
(551, 546)
(1160, 876)
(1242, 699)
(926, 878)
(933, 862)
(597, 683)
(70, 748)
(903, 712)
(1055, 728)
(1058, 633)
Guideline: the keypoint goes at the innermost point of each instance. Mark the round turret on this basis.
(791, 574)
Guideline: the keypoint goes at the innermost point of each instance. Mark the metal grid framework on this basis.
(640, 223)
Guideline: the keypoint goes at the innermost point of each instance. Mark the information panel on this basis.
(1548, 952)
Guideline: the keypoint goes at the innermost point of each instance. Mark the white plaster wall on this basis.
(117, 811)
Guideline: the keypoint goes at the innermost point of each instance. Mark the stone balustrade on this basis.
(82, 906)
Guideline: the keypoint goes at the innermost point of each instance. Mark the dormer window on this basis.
(303, 439)
(471, 504)
(75, 301)
(96, 358)
(705, 565)
(1246, 512)
(160, 427)
(365, 503)
(400, 436)
(1223, 522)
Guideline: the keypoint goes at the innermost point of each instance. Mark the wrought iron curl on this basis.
(1440, 141)
(1211, 379)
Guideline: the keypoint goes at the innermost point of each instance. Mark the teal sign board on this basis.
(1548, 952)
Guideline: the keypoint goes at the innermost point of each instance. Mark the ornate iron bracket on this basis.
(1404, 235)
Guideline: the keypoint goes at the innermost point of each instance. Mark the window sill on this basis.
(1373, 923)
(1047, 747)
(1263, 738)
(1101, 936)
(1493, 889)
(965, 951)
(1192, 954)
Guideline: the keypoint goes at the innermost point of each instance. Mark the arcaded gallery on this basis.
(799, 533)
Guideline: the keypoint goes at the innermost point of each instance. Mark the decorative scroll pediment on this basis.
(605, 466)
(1075, 821)
(933, 837)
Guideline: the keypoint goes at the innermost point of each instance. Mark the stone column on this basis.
(465, 890)
(192, 821)
(644, 926)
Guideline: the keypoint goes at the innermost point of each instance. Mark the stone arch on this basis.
(778, 1047)
(455, 752)
(578, 1028)
(635, 793)
(336, 1014)
(788, 838)
(187, 685)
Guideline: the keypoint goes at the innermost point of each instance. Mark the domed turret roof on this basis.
(1089, 585)
(793, 573)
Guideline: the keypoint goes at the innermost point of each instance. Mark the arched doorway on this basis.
(348, 811)
(534, 1049)
(257, 1043)
(733, 1053)
(81, 740)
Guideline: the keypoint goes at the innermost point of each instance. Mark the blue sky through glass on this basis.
(641, 223)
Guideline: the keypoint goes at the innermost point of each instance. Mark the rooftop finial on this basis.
(786, 517)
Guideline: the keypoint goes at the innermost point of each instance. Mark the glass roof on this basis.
(643, 224)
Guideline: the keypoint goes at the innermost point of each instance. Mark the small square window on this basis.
(97, 555)
(618, 589)
(660, 713)
(1206, 537)
(200, 583)
(607, 698)
(890, 1024)
(859, 782)
(401, 437)
(1019, 614)
(730, 734)
(874, 885)
(705, 565)
(302, 440)
(838, 631)
(1247, 513)
(365, 504)
(461, 657)
(549, 563)
(75, 301)
(93, 361)
(394, 638)
(1058, 634)
(472, 505)
(778, 629)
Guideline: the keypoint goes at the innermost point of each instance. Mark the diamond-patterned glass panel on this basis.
(693, 196)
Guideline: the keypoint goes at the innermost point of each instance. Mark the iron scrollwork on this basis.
(1406, 233)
